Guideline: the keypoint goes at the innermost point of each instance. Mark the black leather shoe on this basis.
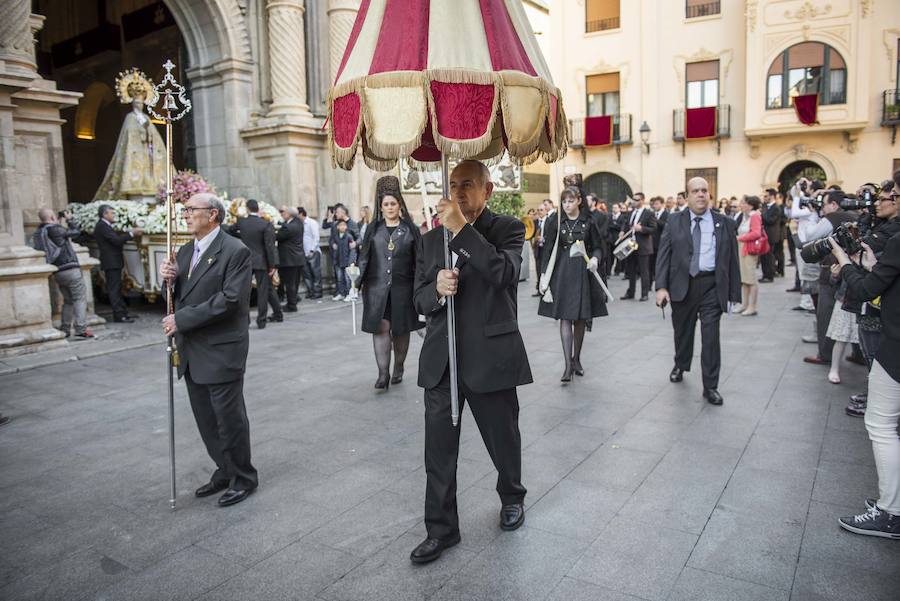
(676, 375)
(211, 488)
(383, 382)
(124, 319)
(643, 298)
(627, 297)
(431, 548)
(512, 516)
(398, 376)
(577, 369)
(766, 280)
(537, 294)
(275, 318)
(289, 309)
(713, 397)
(233, 497)
(260, 325)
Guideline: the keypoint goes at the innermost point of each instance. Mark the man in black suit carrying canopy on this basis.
(487, 250)
(697, 270)
(258, 235)
(211, 275)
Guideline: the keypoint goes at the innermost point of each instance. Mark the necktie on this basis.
(195, 259)
(695, 257)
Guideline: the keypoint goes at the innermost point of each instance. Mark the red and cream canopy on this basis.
(460, 77)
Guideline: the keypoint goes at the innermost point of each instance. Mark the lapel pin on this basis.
(209, 261)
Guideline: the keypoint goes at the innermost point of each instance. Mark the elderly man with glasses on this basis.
(211, 279)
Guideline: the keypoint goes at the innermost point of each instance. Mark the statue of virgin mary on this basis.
(138, 166)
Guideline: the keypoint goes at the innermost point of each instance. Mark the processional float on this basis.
(431, 80)
(175, 105)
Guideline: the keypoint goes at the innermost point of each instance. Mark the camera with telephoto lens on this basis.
(865, 200)
(815, 202)
(847, 237)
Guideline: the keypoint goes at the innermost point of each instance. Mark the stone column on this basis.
(16, 38)
(341, 16)
(287, 57)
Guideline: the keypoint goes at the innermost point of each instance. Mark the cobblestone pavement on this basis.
(637, 488)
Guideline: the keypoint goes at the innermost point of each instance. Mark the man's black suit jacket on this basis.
(644, 238)
(660, 226)
(290, 244)
(673, 261)
(258, 235)
(601, 223)
(212, 310)
(772, 218)
(110, 243)
(490, 352)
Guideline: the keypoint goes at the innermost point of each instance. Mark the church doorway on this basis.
(82, 47)
(794, 171)
(608, 187)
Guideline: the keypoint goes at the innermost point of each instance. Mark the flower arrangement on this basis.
(186, 184)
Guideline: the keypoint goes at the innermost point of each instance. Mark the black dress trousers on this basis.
(701, 301)
(222, 420)
(266, 296)
(634, 265)
(114, 291)
(290, 277)
(497, 416)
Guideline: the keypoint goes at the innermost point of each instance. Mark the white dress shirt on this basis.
(310, 236)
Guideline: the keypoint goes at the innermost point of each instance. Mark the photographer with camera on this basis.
(885, 224)
(806, 218)
(827, 205)
(868, 282)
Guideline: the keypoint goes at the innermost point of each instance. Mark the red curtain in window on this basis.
(700, 123)
(598, 131)
(807, 107)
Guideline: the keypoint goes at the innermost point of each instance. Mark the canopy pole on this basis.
(451, 305)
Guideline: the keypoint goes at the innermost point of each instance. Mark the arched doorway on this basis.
(794, 171)
(607, 186)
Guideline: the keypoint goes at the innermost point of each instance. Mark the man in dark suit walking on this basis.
(291, 258)
(773, 222)
(211, 276)
(491, 356)
(662, 216)
(258, 235)
(643, 222)
(697, 270)
(112, 260)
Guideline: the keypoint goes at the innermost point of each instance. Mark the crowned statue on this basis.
(138, 166)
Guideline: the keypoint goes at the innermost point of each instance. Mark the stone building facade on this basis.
(646, 62)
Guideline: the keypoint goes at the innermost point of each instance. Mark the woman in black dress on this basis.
(575, 295)
(387, 264)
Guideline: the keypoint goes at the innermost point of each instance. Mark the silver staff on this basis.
(451, 305)
(167, 90)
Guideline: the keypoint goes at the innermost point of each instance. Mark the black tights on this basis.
(571, 333)
(383, 341)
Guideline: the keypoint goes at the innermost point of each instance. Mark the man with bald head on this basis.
(211, 279)
(697, 271)
(487, 257)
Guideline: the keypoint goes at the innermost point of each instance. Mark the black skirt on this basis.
(576, 293)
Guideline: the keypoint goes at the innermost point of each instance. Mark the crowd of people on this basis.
(701, 257)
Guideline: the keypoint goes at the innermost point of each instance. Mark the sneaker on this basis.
(337, 297)
(810, 339)
(348, 299)
(855, 409)
(874, 522)
(871, 503)
(862, 397)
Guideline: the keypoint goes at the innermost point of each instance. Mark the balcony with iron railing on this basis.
(621, 133)
(707, 9)
(723, 125)
(890, 111)
(601, 24)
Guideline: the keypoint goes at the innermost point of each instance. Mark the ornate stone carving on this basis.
(807, 11)
(754, 149)
(750, 13)
(866, 7)
(287, 56)
(801, 151)
(852, 141)
(16, 39)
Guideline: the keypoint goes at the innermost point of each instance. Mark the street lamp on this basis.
(645, 136)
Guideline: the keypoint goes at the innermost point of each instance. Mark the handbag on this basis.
(760, 246)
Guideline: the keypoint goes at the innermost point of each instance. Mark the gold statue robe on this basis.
(138, 166)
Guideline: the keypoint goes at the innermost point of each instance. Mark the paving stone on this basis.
(768, 495)
(617, 467)
(843, 580)
(577, 510)
(524, 564)
(767, 552)
(698, 585)
(72, 577)
(844, 484)
(570, 589)
(847, 447)
(570, 441)
(781, 454)
(647, 435)
(631, 558)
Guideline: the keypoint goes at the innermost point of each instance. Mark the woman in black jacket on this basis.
(883, 281)
(575, 295)
(387, 265)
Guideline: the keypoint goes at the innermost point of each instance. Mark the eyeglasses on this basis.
(191, 210)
